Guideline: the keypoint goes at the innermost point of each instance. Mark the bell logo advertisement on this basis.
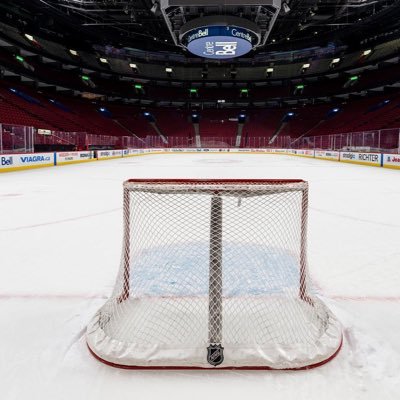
(220, 42)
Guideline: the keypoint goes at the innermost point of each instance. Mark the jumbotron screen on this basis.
(219, 42)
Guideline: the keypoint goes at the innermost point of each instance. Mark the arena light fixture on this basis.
(168, 70)
(367, 52)
(305, 67)
(134, 68)
(335, 61)
(286, 8)
(29, 37)
(103, 60)
(73, 52)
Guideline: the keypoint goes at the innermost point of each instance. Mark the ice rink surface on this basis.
(60, 244)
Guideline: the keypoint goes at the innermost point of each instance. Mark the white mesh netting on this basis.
(213, 273)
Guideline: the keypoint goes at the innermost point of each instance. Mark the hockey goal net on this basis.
(213, 275)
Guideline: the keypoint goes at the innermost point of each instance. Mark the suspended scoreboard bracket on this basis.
(222, 36)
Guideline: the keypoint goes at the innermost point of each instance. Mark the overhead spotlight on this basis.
(134, 67)
(29, 37)
(305, 67)
(155, 9)
(367, 52)
(285, 7)
(221, 101)
(73, 52)
(103, 60)
(335, 62)
(269, 71)
(169, 71)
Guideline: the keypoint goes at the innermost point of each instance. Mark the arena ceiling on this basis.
(140, 24)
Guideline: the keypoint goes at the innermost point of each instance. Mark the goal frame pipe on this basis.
(126, 245)
(215, 272)
(303, 247)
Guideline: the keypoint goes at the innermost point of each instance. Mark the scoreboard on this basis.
(220, 42)
(220, 37)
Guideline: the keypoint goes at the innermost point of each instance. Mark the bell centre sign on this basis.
(220, 42)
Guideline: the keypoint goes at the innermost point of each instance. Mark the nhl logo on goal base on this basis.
(215, 354)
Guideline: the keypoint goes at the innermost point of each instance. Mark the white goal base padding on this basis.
(114, 347)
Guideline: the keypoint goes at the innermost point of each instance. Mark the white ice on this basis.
(60, 241)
